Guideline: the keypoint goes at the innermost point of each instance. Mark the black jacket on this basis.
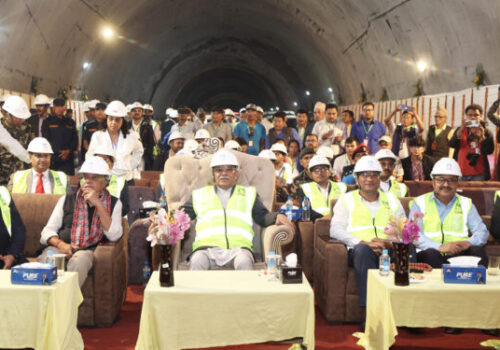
(427, 164)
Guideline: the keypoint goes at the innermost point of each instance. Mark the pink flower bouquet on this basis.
(167, 227)
(400, 229)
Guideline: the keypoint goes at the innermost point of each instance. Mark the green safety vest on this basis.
(453, 228)
(226, 228)
(319, 203)
(115, 186)
(5, 208)
(361, 223)
(398, 189)
(20, 184)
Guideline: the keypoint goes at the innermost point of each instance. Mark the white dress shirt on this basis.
(47, 186)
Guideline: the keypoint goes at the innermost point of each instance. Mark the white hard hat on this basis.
(446, 166)
(190, 145)
(116, 109)
(168, 111)
(384, 154)
(93, 103)
(148, 108)
(135, 105)
(52, 102)
(325, 151)
(105, 150)
(318, 160)
(268, 154)
(232, 144)
(95, 165)
(224, 157)
(279, 147)
(229, 111)
(175, 135)
(243, 110)
(16, 106)
(40, 145)
(202, 134)
(85, 107)
(41, 100)
(367, 163)
(172, 113)
(259, 109)
(129, 108)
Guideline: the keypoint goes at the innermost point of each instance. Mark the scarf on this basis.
(81, 234)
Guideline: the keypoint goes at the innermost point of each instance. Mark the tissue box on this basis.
(296, 213)
(464, 274)
(23, 275)
(291, 274)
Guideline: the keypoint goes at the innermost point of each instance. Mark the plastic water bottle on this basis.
(271, 266)
(289, 208)
(146, 273)
(306, 209)
(49, 259)
(385, 263)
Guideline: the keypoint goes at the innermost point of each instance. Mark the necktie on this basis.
(39, 184)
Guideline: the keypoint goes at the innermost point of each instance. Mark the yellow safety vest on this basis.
(20, 185)
(115, 186)
(453, 228)
(319, 203)
(226, 228)
(398, 189)
(361, 223)
(5, 208)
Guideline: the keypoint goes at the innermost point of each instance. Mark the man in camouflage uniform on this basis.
(17, 134)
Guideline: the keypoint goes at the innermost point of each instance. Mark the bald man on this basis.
(438, 136)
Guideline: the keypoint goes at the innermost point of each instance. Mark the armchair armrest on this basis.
(274, 236)
(306, 247)
(138, 250)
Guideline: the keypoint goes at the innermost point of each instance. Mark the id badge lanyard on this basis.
(367, 131)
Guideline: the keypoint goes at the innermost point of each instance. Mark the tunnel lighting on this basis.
(108, 33)
(330, 90)
(421, 66)
(277, 108)
(86, 65)
(272, 109)
(295, 104)
(308, 93)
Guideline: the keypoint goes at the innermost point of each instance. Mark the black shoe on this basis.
(450, 330)
(493, 332)
(362, 326)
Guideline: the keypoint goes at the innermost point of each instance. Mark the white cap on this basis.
(385, 138)
(279, 147)
(95, 165)
(202, 134)
(175, 135)
(318, 160)
(135, 105)
(105, 150)
(41, 100)
(229, 111)
(259, 109)
(16, 106)
(148, 108)
(116, 109)
(325, 151)
(232, 144)
(93, 103)
(384, 154)
(85, 107)
(268, 154)
(446, 166)
(40, 145)
(224, 157)
(367, 163)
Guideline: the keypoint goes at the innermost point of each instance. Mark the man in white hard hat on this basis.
(40, 178)
(145, 133)
(166, 125)
(41, 103)
(243, 114)
(230, 117)
(387, 161)
(217, 127)
(359, 219)
(16, 135)
(232, 144)
(201, 135)
(282, 168)
(321, 191)
(82, 219)
(175, 142)
(264, 121)
(226, 207)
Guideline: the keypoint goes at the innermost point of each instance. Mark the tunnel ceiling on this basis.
(230, 52)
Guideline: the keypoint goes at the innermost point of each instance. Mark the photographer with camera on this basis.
(473, 142)
(410, 127)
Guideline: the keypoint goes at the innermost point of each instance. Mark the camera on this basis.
(473, 158)
(472, 123)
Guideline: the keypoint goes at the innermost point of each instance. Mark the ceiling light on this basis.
(108, 33)
(308, 92)
(86, 65)
(421, 66)
(330, 89)
(295, 104)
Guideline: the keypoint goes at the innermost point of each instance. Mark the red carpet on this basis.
(123, 335)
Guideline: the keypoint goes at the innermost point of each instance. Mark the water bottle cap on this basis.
(146, 262)
(289, 197)
(50, 252)
(385, 251)
(271, 253)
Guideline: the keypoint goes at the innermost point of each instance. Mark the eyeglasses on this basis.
(224, 170)
(443, 180)
(320, 170)
(371, 175)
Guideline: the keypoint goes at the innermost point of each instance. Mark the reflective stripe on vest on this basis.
(20, 181)
(361, 223)
(225, 228)
(5, 208)
(116, 184)
(318, 202)
(398, 189)
(162, 182)
(453, 228)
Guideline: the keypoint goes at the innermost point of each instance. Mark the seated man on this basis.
(12, 232)
(84, 218)
(283, 168)
(39, 179)
(387, 161)
(225, 214)
(321, 190)
(304, 157)
(359, 219)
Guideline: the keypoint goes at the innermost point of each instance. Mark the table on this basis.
(40, 317)
(219, 308)
(429, 304)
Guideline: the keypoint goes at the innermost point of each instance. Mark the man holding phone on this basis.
(473, 142)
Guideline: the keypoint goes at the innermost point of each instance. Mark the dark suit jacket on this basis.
(426, 163)
(308, 131)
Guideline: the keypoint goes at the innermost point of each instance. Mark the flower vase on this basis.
(166, 266)
(401, 263)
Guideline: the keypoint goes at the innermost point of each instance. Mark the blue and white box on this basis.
(39, 274)
(464, 274)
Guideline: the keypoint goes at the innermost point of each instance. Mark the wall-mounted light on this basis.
(421, 66)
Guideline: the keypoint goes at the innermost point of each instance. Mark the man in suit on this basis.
(418, 165)
(303, 127)
(41, 103)
(39, 179)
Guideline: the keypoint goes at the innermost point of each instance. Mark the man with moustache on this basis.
(368, 131)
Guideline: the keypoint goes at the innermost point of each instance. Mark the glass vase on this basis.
(166, 269)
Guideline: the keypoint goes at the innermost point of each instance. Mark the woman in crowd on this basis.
(417, 166)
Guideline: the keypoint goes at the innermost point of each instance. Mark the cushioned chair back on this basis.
(136, 196)
(35, 211)
(405, 202)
